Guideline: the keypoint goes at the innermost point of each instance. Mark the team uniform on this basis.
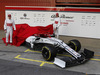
(8, 26)
(56, 25)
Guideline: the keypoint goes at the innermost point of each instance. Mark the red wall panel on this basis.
(89, 1)
(2, 15)
(78, 2)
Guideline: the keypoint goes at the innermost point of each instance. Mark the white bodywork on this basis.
(53, 41)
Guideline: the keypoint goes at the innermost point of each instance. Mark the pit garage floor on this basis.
(18, 55)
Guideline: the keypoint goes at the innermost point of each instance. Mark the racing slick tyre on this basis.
(74, 44)
(49, 52)
(28, 44)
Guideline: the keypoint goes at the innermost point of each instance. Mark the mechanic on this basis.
(8, 28)
(56, 25)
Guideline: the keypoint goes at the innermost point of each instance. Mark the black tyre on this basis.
(74, 44)
(49, 52)
(28, 44)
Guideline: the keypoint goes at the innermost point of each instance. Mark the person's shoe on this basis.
(11, 44)
(6, 44)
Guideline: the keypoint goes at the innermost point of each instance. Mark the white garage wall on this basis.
(78, 24)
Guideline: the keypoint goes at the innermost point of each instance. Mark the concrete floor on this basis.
(24, 55)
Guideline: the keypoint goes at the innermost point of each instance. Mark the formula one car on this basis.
(50, 46)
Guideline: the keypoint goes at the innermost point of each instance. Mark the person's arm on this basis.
(59, 23)
(14, 25)
(54, 21)
(5, 25)
(54, 27)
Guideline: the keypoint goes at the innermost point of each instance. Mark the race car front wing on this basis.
(72, 61)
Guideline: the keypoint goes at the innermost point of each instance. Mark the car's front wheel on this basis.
(49, 52)
(74, 44)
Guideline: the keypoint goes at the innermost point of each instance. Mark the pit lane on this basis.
(21, 57)
(24, 55)
(41, 62)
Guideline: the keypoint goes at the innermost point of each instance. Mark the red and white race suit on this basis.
(56, 25)
(8, 26)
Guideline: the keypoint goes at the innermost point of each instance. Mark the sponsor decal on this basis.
(24, 16)
(68, 17)
(65, 20)
(62, 16)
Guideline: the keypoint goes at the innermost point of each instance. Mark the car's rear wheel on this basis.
(49, 52)
(74, 44)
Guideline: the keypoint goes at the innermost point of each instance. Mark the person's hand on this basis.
(5, 31)
(56, 28)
